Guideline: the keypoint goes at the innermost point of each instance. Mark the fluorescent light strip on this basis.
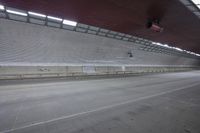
(189, 52)
(37, 14)
(159, 44)
(165, 45)
(179, 49)
(196, 1)
(16, 12)
(68, 22)
(54, 18)
(2, 7)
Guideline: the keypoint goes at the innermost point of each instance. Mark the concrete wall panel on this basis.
(29, 44)
(28, 50)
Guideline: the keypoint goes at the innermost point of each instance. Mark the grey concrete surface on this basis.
(23, 44)
(162, 103)
(25, 72)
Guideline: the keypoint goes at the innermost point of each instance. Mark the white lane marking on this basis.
(99, 109)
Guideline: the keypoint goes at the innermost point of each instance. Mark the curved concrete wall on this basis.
(24, 44)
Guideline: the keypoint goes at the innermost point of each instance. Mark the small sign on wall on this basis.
(88, 69)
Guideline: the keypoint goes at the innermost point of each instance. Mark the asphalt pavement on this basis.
(159, 103)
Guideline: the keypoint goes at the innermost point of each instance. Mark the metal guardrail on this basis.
(145, 45)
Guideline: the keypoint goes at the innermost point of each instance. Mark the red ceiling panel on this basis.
(181, 27)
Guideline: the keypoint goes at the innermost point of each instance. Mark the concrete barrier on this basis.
(23, 72)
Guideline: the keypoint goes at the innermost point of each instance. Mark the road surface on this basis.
(161, 103)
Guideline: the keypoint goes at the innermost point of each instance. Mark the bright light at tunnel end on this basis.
(68, 22)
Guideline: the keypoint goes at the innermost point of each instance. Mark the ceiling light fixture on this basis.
(2, 7)
(178, 49)
(197, 3)
(68, 22)
(16, 12)
(54, 18)
(37, 14)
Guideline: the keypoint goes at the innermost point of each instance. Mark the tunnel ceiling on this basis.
(181, 26)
